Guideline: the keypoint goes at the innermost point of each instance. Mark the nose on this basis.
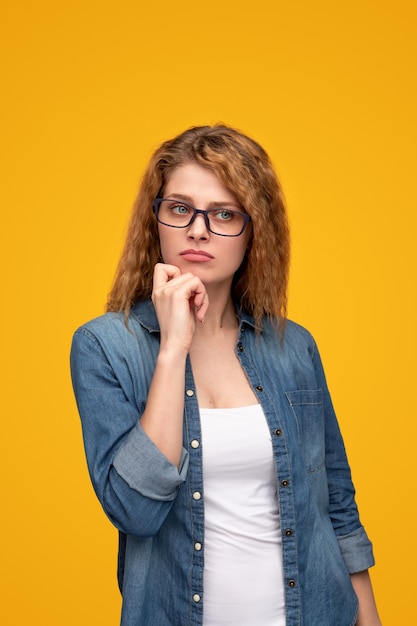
(198, 228)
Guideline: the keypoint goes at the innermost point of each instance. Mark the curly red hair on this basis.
(243, 166)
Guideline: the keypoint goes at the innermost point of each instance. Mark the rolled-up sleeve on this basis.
(134, 481)
(138, 451)
(357, 551)
(354, 544)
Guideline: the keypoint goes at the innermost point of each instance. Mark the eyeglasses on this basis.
(220, 221)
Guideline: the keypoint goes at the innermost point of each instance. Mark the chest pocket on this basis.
(307, 408)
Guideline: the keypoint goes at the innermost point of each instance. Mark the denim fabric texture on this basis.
(159, 508)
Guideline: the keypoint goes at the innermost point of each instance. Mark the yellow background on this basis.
(90, 88)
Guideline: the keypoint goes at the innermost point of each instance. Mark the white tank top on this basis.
(243, 576)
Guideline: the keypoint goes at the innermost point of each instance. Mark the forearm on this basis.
(180, 300)
(368, 613)
(162, 419)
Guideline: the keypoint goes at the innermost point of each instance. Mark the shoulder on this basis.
(102, 328)
(296, 332)
(112, 340)
(292, 337)
(114, 325)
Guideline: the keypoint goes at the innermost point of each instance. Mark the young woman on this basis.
(209, 431)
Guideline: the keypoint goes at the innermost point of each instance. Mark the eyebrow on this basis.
(214, 204)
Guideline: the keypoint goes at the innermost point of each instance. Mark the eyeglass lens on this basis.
(222, 221)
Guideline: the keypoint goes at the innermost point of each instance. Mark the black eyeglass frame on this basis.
(157, 203)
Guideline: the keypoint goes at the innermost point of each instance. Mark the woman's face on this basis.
(213, 258)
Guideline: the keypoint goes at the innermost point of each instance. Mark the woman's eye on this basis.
(224, 215)
(180, 209)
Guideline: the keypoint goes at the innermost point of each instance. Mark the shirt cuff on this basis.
(357, 551)
(146, 469)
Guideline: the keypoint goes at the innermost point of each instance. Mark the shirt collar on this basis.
(144, 312)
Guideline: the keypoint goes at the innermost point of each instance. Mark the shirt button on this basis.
(197, 546)
(278, 432)
(288, 532)
(196, 597)
(292, 583)
(189, 393)
(259, 388)
(284, 483)
(240, 348)
(195, 443)
(196, 495)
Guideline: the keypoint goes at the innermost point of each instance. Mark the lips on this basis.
(196, 255)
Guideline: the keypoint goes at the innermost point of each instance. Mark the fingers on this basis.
(201, 303)
(180, 300)
(168, 278)
(164, 273)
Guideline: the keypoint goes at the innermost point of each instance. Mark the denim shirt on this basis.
(159, 508)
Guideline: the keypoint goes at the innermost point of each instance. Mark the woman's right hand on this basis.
(180, 300)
